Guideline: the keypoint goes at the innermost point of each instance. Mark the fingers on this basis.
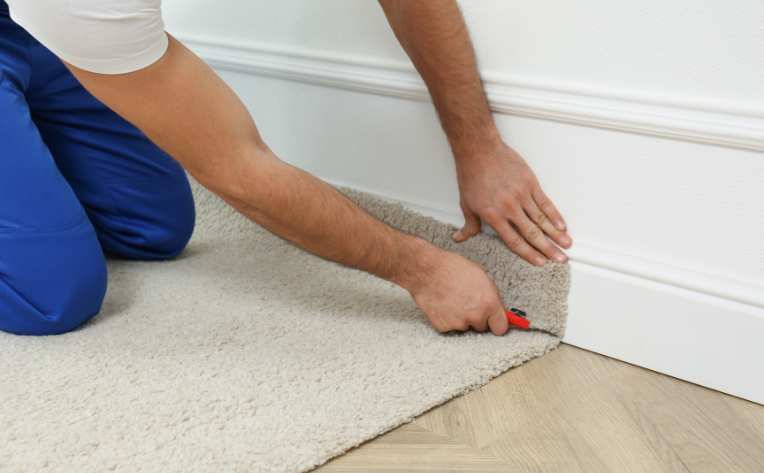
(535, 236)
(479, 324)
(470, 229)
(492, 316)
(538, 217)
(515, 241)
(525, 221)
(498, 322)
(549, 209)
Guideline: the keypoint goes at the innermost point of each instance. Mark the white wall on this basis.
(709, 51)
(645, 121)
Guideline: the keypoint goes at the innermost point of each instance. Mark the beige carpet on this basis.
(248, 355)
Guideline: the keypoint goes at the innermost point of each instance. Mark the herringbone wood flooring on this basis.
(574, 411)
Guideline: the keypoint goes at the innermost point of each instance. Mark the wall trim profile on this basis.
(701, 121)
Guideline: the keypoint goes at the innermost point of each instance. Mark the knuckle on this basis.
(525, 184)
(514, 241)
(491, 214)
(485, 306)
(512, 214)
(510, 198)
(534, 233)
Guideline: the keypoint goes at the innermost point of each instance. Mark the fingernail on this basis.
(561, 225)
(560, 258)
(457, 235)
(566, 240)
(540, 261)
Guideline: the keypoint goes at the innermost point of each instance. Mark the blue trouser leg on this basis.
(52, 271)
(73, 174)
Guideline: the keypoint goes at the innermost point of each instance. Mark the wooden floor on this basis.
(574, 411)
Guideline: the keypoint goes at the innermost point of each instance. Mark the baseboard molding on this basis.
(707, 340)
(723, 124)
(668, 319)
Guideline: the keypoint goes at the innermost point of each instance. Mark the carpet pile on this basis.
(246, 354)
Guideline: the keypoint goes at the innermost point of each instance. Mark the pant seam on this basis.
(23, 298)
(40, 231)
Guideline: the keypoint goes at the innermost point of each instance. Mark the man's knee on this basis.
(169, 238)
(50, 284)
(155, 228)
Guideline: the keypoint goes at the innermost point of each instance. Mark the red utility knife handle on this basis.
(517, 321)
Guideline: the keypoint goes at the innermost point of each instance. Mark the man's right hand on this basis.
(455, 293)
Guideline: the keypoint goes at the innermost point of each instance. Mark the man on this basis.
(79, 176)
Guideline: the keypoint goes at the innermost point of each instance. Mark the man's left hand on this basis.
(500, 189)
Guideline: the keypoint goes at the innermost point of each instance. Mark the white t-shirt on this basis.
(103, 36)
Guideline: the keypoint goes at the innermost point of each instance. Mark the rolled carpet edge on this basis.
(542, 292)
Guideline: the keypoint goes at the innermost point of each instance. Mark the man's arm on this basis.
(186, 109)
(496, 184)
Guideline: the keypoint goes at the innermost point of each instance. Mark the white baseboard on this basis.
(707, 340)
(702, 327)
(703, 121)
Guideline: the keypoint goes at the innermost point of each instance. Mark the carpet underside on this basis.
(246, 354)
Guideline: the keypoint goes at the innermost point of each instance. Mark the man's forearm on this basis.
(313, 215)
(188, 111)
(435, 37)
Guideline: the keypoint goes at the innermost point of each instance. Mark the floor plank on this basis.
(574, 411)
